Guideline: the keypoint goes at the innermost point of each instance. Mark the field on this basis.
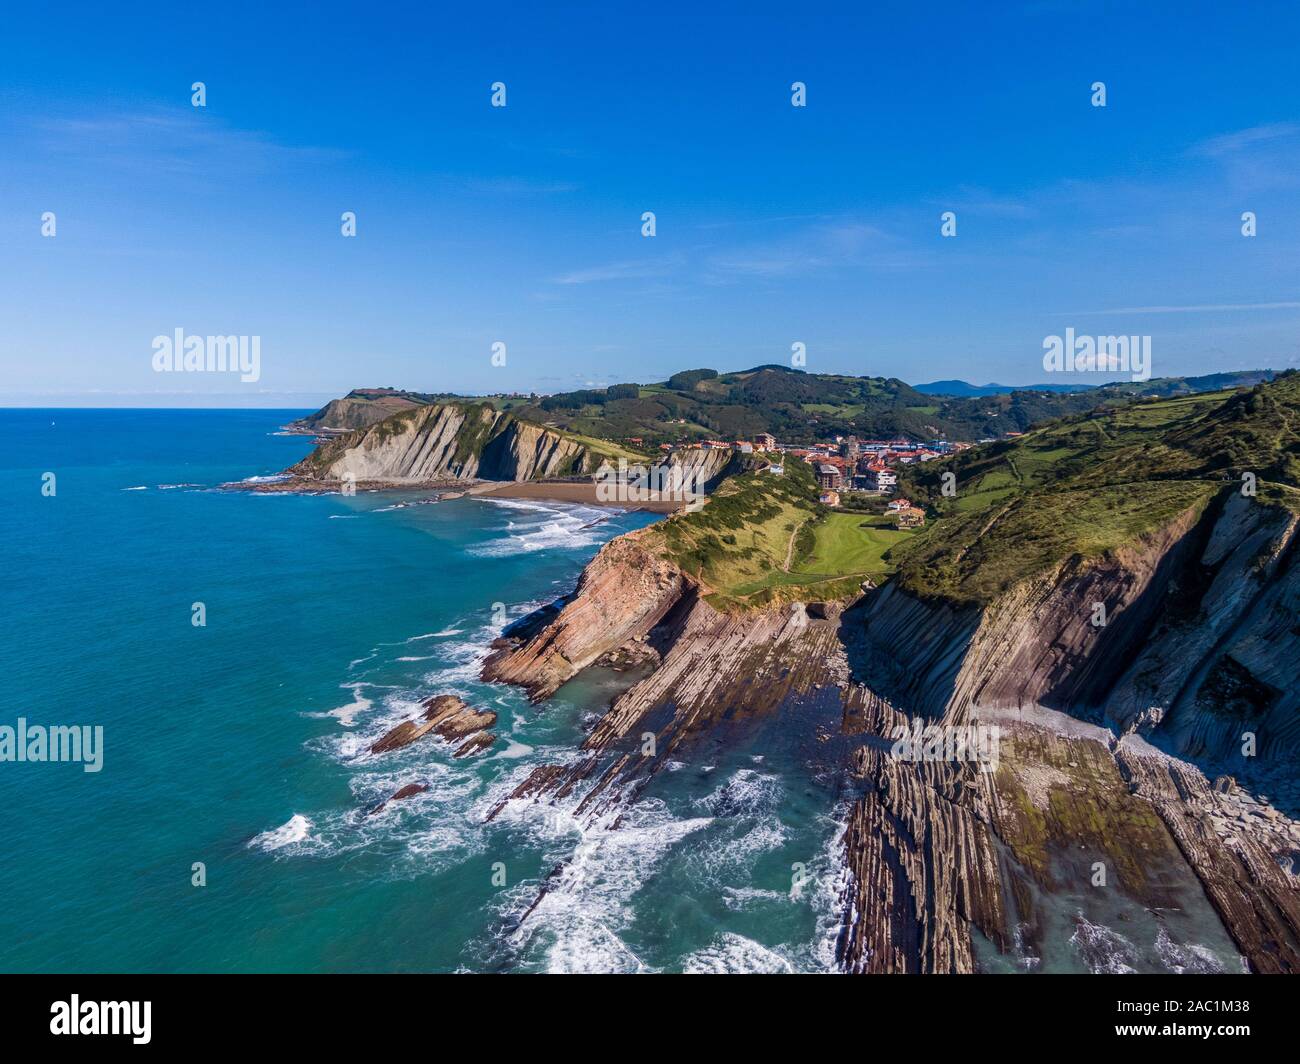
(849, 544)
(763, 539)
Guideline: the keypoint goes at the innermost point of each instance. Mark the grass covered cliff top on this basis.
(764, 539)
(1083, 486)
(1092, 483)
(482, 423)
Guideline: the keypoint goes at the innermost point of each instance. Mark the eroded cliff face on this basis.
(621, 596)
(1186, 637)
(1101, 715)
(446, 442)
(1176, 647)
(701, 469)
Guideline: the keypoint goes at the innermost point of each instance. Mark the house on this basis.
(765, 441)
(829, 498)
(745, 447)
(776, 470)
(881, 478)
(899, 504)
(912, 517)
(828, 476)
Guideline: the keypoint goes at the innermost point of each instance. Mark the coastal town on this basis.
(846, 465)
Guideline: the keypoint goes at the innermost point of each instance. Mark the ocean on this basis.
(235, 752)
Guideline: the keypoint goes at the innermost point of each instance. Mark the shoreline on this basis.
(584, 492)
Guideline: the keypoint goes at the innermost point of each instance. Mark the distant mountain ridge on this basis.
(966, 390)
(1160, 386)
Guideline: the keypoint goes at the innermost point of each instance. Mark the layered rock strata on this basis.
(448, 717)
(1101, 715)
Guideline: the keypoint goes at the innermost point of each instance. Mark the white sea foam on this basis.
(747, 825)
(831, 877)
(294, 832)
(552, 527)
(1185, 957)
(347, 714)
(746, 793)
(578, 922)
(137, 487)
(740, 898)
(1104, 951)
(734, 954)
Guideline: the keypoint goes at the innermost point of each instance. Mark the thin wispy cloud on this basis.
(814, 248)
(1260, 158)
(614, 271)
(177, 141)
(1194, 308)
(518, 186)
(1244, 139)
(983, 202)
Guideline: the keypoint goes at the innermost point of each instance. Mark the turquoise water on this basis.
(242, 744)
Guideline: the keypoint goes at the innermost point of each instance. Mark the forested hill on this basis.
(795, 406)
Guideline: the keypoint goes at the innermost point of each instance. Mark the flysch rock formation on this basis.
(1110, 734)
(621, 595)
(449, 718)
(401, 794)
(447, 442)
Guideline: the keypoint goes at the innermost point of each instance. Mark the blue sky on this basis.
(522, 224)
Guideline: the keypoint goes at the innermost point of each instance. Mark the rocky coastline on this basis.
(946, 858)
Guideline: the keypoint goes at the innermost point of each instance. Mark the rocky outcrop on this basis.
(944, 859)
(359, 409)
(447, 442)
(621, 596)
(1187, 636)
(1237, 861)
(714, 667)
(449, 718)
(401, 794)
(1185, 639)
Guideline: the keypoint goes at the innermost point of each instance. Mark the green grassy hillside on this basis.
(795, 406)
(1091, 483)
(764, 539)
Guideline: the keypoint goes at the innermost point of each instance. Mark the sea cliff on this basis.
(439, 443)
(1117, 748)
